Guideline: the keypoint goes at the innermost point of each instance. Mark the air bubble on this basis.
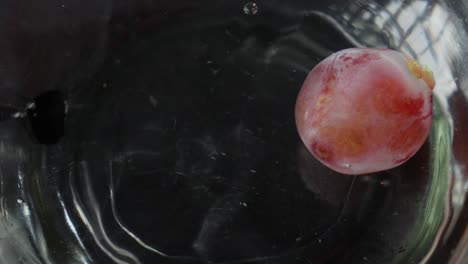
(385, 183)
(19, 115)
(250, 8)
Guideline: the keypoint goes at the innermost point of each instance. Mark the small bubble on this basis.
(250, 8)
(248, 73)
(19, 201)
(215, 71)
(19, 115)
(385, 183)
(153, 101)
(214, 68)
(31, 106)
(347, 165)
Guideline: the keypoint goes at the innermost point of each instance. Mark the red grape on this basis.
(365, 110)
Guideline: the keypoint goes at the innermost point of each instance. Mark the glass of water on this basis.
(163, 132)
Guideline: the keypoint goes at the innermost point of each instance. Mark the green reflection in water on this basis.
(432, 213)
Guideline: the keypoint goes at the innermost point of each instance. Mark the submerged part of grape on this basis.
(365, 110)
